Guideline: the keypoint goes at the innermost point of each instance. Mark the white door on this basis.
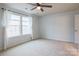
(76, 29)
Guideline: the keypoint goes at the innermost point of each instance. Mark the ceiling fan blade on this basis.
(33, 8)
(42, 9)
(38, 4)
(34, 4)
(49, 6)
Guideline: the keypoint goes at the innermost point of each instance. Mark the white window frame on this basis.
(21, 26)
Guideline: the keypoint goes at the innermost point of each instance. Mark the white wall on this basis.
(35, 27)
(57, 27)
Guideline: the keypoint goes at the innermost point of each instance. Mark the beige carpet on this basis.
(42, 47)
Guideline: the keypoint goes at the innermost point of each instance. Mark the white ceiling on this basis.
(57, 7)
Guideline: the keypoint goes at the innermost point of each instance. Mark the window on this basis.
(13, 25)
(18, 25)
(26, 25)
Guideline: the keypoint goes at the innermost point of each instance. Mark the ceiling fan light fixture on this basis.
(39, 7)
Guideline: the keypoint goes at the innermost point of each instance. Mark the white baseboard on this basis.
(58, 40)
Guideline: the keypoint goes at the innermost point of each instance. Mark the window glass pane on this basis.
(13, 17)
(26, 25)
(26, 30)
(25, 19)
(13, 31)
(13, 22)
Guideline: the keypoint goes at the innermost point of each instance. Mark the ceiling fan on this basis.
(40, 6)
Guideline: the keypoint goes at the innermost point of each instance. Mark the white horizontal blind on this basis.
(18, 25)
(26, 25)
(13, 25)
